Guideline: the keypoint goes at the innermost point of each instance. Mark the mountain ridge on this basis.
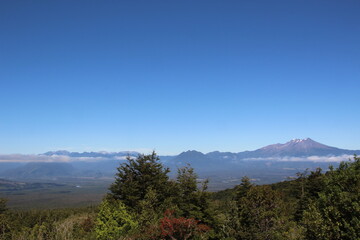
(293, 148)
(270, 163)
(91, 154)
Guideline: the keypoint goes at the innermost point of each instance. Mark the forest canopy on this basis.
(144, 203)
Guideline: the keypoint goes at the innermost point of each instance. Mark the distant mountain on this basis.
(268, 164)
(91, 154)
(41, 170)
(303, 151)
(191, 157)
(194, 158)
(197, 160)
(294, 148)
(85, 164)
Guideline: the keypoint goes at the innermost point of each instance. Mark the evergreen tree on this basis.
(310, 186)
(243, 188)
(187, 198)
(135, 177)
(192, 201)
(149, 213)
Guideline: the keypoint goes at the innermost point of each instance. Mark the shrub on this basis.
(113, 220)
(180, 228)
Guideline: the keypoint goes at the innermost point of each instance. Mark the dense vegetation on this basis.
(144, 203)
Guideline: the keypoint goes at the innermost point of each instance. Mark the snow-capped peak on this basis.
(297, 140)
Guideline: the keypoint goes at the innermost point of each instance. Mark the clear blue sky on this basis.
(178, 75)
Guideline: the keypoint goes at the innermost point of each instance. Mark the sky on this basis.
(172, 76)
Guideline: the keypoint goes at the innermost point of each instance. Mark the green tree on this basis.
(40, 232)
(262, 214)
(310, 185)
(335, 214)
(231, 226)
(4, 220)
(3, 207)
(149, 213)
(192, 201)
(188, 201)
(314, 223)
(135, 177)
(243, 188)
(113, 220)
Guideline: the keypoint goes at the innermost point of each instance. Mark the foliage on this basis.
(180, 228)
(335, 214)
(192, 201)
(187, 192)
(48, 224)
(243, 188)
(256, 212)
(4, 222)
(261, 213)
(5, 226)
(148, 212)
(76, 227)
(3, 207)
(113, 220)
(309, 185)
(135, 177)
(143, 186)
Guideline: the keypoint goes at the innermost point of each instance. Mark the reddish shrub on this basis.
(180, 228)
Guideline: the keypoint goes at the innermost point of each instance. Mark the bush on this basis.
(113, 220)
(180, 228)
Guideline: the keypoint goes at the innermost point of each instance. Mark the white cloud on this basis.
(305, 159)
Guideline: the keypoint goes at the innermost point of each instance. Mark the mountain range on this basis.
(101, 154)
(294, 148)
(270, 163)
